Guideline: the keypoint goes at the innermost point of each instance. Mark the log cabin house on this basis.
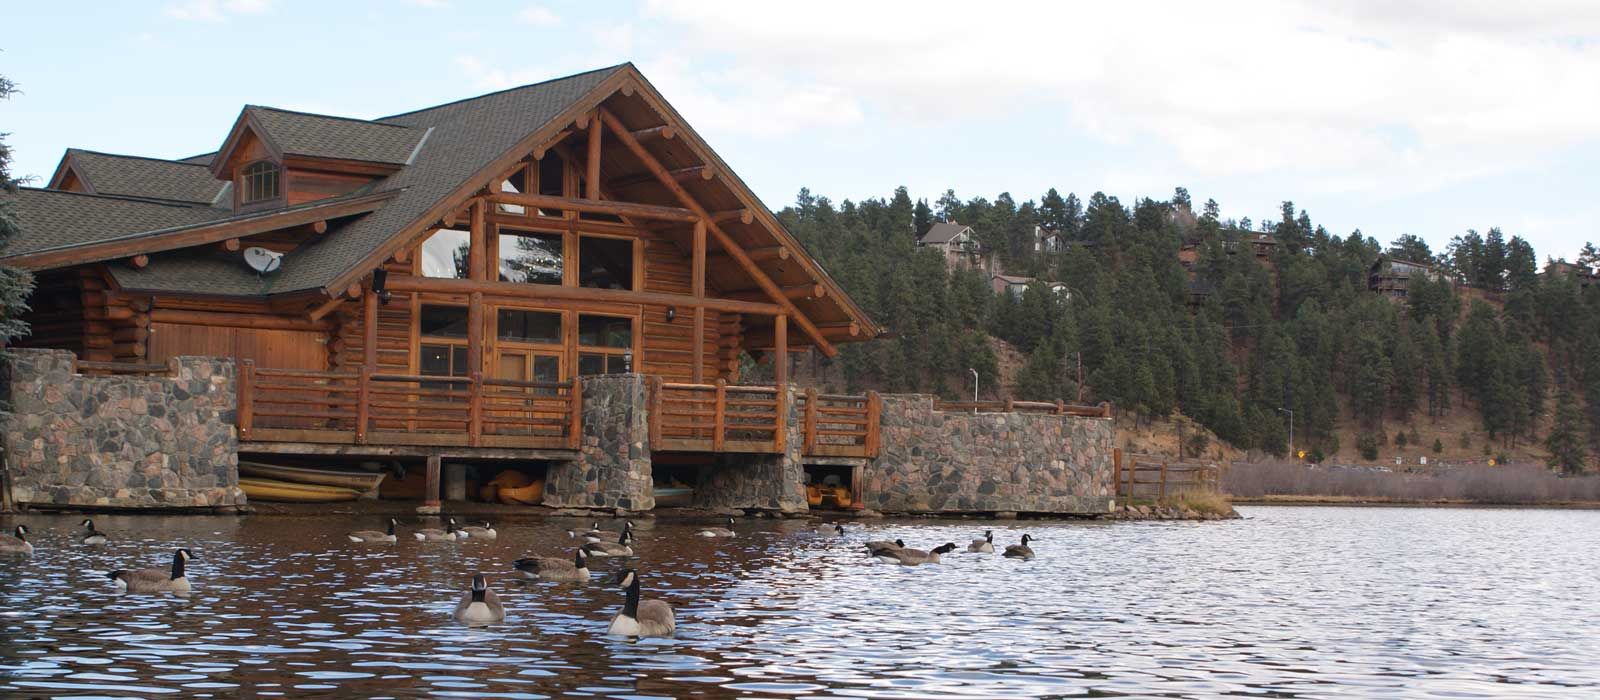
(440, 282)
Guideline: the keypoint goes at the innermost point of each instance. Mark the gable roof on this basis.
(52, 219)
(337, 138)
(136, 176)
(944, 232)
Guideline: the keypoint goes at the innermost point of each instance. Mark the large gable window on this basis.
(258, 182)
(531, 258)
(445, 254)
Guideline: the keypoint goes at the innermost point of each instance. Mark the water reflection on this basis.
(1290, 603)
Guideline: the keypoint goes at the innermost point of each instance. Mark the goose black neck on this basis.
(391, 528)
(177, 566)
(477, 594)
(630, 607)
(577, 559)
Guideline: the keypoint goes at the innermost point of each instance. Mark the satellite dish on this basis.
(261, 260)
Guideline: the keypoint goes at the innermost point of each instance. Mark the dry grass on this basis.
(1200, 501)
(1509, 485)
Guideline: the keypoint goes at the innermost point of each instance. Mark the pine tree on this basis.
(1565, 442)
(15, 285)
(921, 219)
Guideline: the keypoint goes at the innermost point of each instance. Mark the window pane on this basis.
(546, 368)
(590, 364)
(458, 361)
(443, 321)
(444, 254)
(550, 175)
(530, 258)
(607, 263)
(513, 185)
(435, 360)
(528, 326)
(616, 364)
(605, 331)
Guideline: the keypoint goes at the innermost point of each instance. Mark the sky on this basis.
(1388, 116)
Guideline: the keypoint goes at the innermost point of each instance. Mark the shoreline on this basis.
(1385, 502)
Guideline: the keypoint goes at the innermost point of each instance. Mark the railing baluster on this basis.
(811, 420)
(246, 398)
(575, 395)
(363, 402)
(474, 409)
(657, 408)
(780, 420)
(874, 411)
(717, 428)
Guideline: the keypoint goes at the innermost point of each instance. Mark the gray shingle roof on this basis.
(149, 178)
(321, 136)
(467, 136)
(53, 219)
(943, 233)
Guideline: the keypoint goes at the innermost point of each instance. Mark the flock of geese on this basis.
(480, 606)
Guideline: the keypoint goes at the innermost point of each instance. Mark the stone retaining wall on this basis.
(761, 482)
(613, 465)
(946, 462)
(126, 441)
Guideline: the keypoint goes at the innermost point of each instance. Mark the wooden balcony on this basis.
(716, 418)
(838, 425)
(342, 408)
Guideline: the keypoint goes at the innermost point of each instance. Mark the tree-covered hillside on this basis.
(1233, 340)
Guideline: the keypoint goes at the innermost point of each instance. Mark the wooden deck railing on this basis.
(838, 425)
(290, 405)
(1057, 407)
(1143, 475)
(716, 417)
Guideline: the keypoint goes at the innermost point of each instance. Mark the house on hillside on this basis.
(1578, 273)
(1392, 277)
(958, 243)
(1015, 286)
(1048, 241)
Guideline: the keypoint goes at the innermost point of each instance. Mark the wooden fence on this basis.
(1058, 407)
(841, 425)
(1155, 476)
(716, 417)
(291, 405)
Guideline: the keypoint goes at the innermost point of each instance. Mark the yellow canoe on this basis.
(358, 481)
(290, 492)
(530, 495)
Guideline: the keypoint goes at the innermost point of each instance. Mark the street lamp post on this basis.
(974, 384)
(1290, 411)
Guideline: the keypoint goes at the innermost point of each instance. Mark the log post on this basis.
(811, 420)
(369, 331)
(1061, 407)
(430, 497)
(475, 334)
(780, 338)
(478, 242)
(247, 407)
(780, 413)
(474, 408)
(874, 410)
(698, 289)
(593, 161)
(363, 402)
(1116, 471)
(721, 412)
(575, 421)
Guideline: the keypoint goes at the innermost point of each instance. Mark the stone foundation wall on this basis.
(935, 461)
(764, 481)
(613, 465)
(126, 441)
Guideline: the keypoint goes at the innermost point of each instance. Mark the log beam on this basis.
(642, 211)
(542, 291)
(797, 293)
(664, 132)
(139, 262)
(743, 216)
(225, 319)
(723, 239)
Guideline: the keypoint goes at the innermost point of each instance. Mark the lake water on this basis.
(1289, 602)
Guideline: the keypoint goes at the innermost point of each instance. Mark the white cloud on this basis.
(538, 16)
(1368, 95)
(215, 10)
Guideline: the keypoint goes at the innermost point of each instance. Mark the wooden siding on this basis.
(267, 347)
(311, 185)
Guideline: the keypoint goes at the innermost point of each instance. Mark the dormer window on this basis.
(258, 182)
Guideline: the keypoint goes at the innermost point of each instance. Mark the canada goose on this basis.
(1021, 551)
(155, 579)
(555, 568)
(16, 544)
(985, 545)
(480, 606)
(448, 534)
(595, 534)
(478, 533)
(593, 530)
(828, 529)
(90, 535)
(913, 557)
(717, 531)
(374, 535)
(621, 548)
(640, 618)
(873, 546)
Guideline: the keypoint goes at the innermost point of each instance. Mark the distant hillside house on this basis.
(1048, 241)
(1578, 273)
(1015, 286)
(959, 244)
(1392, 277)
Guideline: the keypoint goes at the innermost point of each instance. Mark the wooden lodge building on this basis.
(443, 284)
